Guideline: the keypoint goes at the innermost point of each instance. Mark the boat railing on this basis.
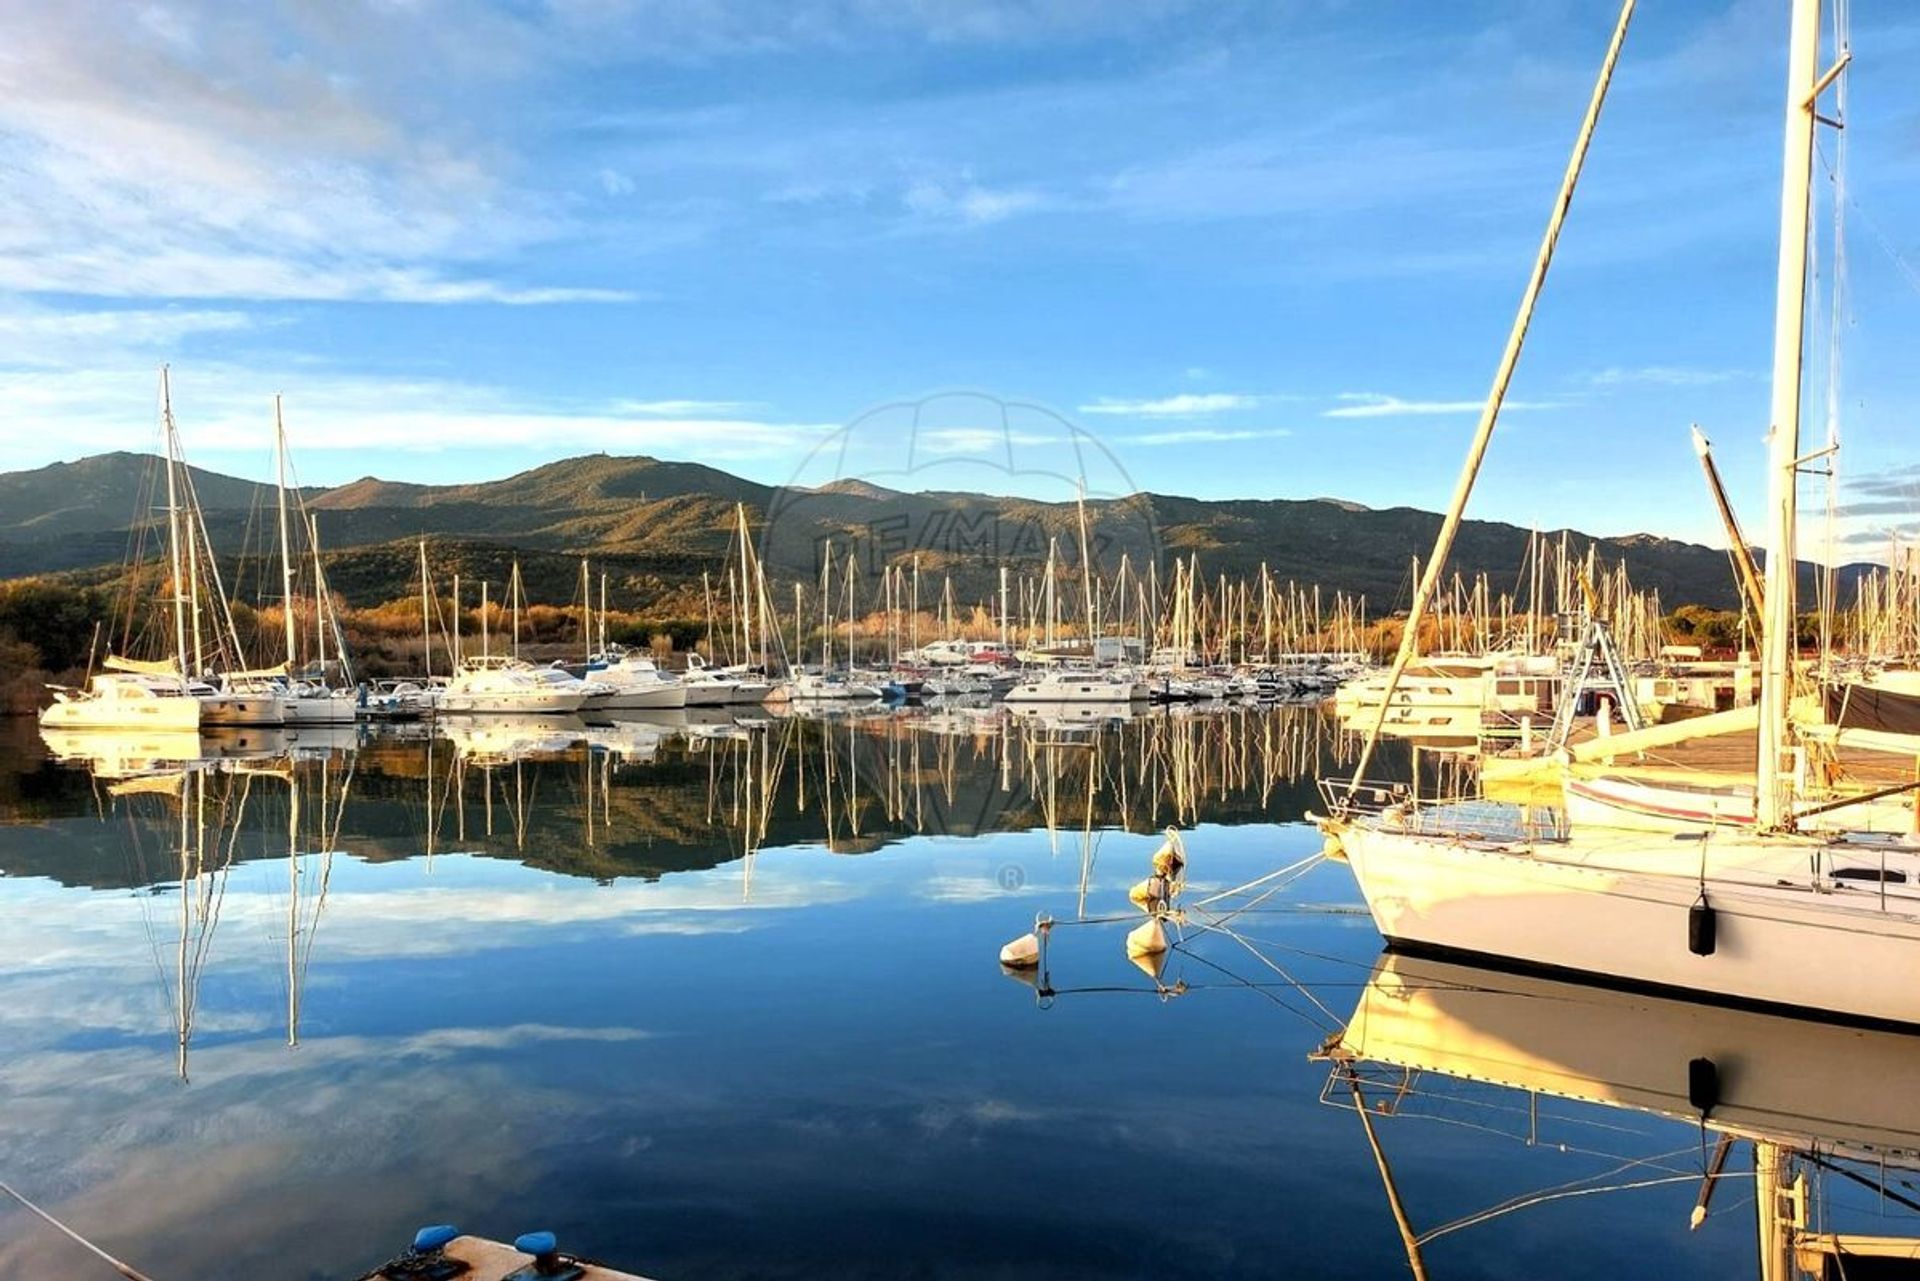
(1466, 818)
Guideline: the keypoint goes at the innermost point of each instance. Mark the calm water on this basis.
(721, 1000)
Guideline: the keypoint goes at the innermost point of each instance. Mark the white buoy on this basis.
(1022, 954)
(1171, 858)
(1147, 940)
(1149, 893)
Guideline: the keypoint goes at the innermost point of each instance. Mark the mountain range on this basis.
(653, 526)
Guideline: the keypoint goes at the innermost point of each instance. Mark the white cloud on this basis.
(1203, 435)
(615, 183)
(977, 440)
(685, 408)
(1669, 376)
(1183, 405)
(37, 336)
(965, 202)
(225, 409)
(1369, 404)
(193, 154)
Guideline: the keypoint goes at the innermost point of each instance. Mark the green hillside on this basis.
(653, 526)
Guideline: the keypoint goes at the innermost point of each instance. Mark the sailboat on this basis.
(1773, 915)
(134, 694)
(829, 685)
(307, 702)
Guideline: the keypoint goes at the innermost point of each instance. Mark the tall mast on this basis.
(1774, 799)
(319, 594)
(826, 619)
(513, 602)
(1004, 619)
(286, 552)
(1496, 395)
(426, 612)
(1086, 566)
(749, 589)
(173, 529)
(193, 592)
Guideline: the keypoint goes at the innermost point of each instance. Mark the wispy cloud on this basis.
(684, 408)
(965, 202)
(225, 409)
(1368, 404)
(1203, 435)
(1668, 376)
(39, 336)
(1182, 405)
(978, 440)
(189, 156)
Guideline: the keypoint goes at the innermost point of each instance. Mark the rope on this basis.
(1300, 867)
(1562, 1194)
(124, 1269)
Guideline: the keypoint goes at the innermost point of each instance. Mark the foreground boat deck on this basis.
(485, 1260)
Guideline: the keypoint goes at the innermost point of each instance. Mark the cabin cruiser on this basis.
(635, 684)
(498, 684)
(831, 687)
(1079, 685)
(127, 696)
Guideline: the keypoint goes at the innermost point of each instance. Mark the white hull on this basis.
(716, 692)
(661, 697)
(1616, 906)
(1054, 690)
(324, 709)
(243, 709)
(506, 703)
(113, 709)
(816, 689)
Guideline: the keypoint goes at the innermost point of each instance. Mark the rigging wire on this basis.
(124, 1269)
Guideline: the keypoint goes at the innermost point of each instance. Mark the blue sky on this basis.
(1254, 249)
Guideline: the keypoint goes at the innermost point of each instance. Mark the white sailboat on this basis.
(150, 696)
(306, 702)
(1773, 915)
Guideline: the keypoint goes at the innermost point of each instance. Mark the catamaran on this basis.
(1773, 914)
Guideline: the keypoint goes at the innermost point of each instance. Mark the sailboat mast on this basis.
(426, 615)
(319, 595)
(1086, 567)
(1496, 395)
(173, 528)
(1778, 640)
(286, 552)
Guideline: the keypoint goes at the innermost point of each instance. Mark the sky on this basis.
(1257, 250)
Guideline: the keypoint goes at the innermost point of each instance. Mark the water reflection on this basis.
(715, 996)
(1462, 1045)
